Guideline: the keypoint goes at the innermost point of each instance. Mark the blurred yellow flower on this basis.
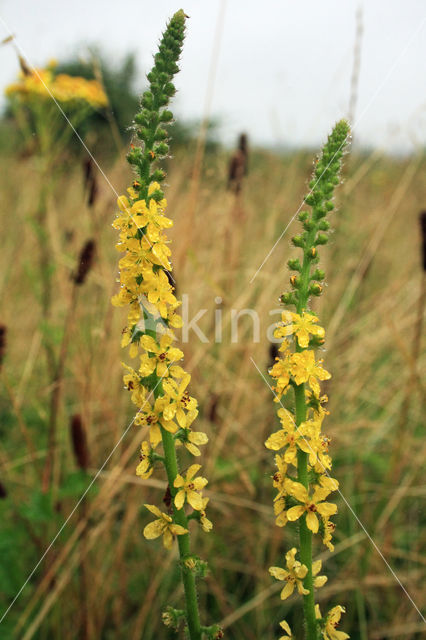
(44, 84)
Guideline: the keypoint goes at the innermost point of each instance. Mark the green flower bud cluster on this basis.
(151, 120)
(173, 617)
(307, 280)
(193, 563)
(214, 632)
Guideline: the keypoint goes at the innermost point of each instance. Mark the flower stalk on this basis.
(158, 384)
(301, 443)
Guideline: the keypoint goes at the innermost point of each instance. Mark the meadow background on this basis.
(101, 579)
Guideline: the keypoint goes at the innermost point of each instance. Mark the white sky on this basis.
(283, 66)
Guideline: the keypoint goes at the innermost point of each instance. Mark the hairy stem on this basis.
(179, 517)
(305, 535)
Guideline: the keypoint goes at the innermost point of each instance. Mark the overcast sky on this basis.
(278, 69)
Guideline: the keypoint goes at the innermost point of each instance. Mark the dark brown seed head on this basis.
(3, 331)
(238, 165)
(242, 143)
(24, 67)
(423, 237)
(168, 498)
(90, 181)
(3, 491)
(87, 256)
(79, 442)
(213, 408)
(273, 354)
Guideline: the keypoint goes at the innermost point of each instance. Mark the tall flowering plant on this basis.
(303, 480)
(157, 382)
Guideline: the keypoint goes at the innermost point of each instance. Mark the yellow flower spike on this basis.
(163, 526)
(42, 84)
(310, 506)
(284, 625)
(293, 575)
(189, 487)
(145, 287)
(305, 447)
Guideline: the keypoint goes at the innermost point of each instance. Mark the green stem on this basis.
(179, 517)
(305, 535)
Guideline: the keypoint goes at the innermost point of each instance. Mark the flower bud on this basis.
(318, 274)
(298, 241)
(158, 175)
(315, 289)
(294, 265)
(166, 116)
(321, 239)
(324, 225)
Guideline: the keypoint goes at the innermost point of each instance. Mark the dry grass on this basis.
(371, 310)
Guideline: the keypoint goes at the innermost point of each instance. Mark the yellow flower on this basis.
(292, 438)
(191, 439)
(284, 625)
(179, 400)
(145, 468)
(319, 581)
(194, 438)
(329, 528)
(160, 293)
(188, 488)
(205, 522)
(280, 482)
(153, 417)
(42, 84)
(281, 372)
(301, 326)
(151, 217)
(132, 383)
(164, 526)
(332, 619)
(316, 403)
(318, 445)
(293, 576)
(311, 505)
(304, 369)
(163, 357)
